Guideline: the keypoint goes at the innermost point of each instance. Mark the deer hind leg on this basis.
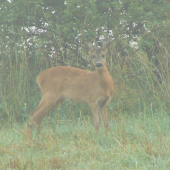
(94, 108)
(46, 104)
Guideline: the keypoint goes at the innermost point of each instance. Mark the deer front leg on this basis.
(94, 108)
(103, 112)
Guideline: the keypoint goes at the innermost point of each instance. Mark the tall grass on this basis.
(137, 87)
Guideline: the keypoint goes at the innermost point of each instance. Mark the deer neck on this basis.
(104, 77)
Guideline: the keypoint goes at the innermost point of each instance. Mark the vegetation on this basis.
(134, 142)
(36, 35)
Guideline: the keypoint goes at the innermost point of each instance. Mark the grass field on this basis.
(134, 142)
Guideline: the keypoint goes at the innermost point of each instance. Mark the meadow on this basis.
(69, 141)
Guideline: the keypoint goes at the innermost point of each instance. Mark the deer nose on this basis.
(99, 65)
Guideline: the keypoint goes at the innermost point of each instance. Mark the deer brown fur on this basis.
(60, 83)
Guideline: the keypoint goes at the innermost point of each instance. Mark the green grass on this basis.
(134, 142)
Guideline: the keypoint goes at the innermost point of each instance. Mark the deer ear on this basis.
(90, 47)
(105, 43)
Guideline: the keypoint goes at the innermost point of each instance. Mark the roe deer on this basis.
(62, 82)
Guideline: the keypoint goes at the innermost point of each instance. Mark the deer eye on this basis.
(103, 55)
(94, 56)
